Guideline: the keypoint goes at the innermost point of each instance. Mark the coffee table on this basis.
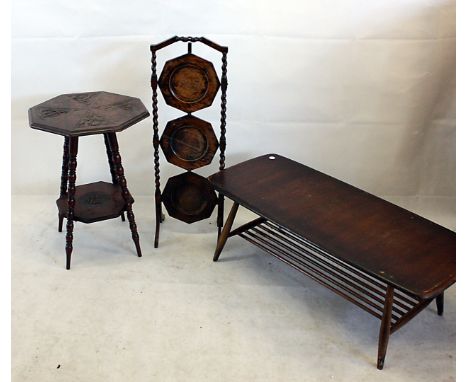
(388, 261)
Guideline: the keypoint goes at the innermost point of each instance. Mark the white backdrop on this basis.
(362, 90)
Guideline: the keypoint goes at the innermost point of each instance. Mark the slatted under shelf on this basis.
(365, 291)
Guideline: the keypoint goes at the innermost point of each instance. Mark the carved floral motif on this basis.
(127, 105)
(91, 120)
(83, 97)
(52, 112)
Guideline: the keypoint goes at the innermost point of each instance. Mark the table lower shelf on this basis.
(95, 202)
(364, 290)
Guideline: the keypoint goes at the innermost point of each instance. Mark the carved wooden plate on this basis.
(189, 142)
(189, 83)
(189, 197)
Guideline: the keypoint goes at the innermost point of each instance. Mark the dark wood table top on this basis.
(376, 236)
(80, 114)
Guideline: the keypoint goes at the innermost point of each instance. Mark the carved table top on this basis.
(87, 113)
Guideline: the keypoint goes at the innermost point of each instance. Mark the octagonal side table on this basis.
(80, 114)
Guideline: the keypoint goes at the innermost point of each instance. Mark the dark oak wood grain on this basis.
(440, 304)
(72, 163)
(385, 326)
(189, 142)
(204, 40)
(156, 144)
(64, 179)
(94, 202)
(122, 182)
(189, 83)
(189, 197)
(386, 260)
(79, 114)
(226, 230)
(111, 167)
(386, 241)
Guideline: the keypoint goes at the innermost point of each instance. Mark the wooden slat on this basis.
(329, 268)
(246, 226)
(311, 268)
(312, 275)
(343, 279)
(403, 296)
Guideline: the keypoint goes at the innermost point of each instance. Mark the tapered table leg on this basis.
(60, 222)
(440, 304)
(385, 327)
(220, 219)
(64, 179)
(159, 218)
(73, 151)
(225, 233)
(119, 172)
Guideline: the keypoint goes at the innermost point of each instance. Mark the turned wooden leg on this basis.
(119, 172)
(109, 159)
(220, 220)
(440, 304)
(111, 167)
(385, 327)
(159, 218)
(73, 151)
(224, 234)
(64, 178)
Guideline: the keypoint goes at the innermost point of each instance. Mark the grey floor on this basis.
(174, 315)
